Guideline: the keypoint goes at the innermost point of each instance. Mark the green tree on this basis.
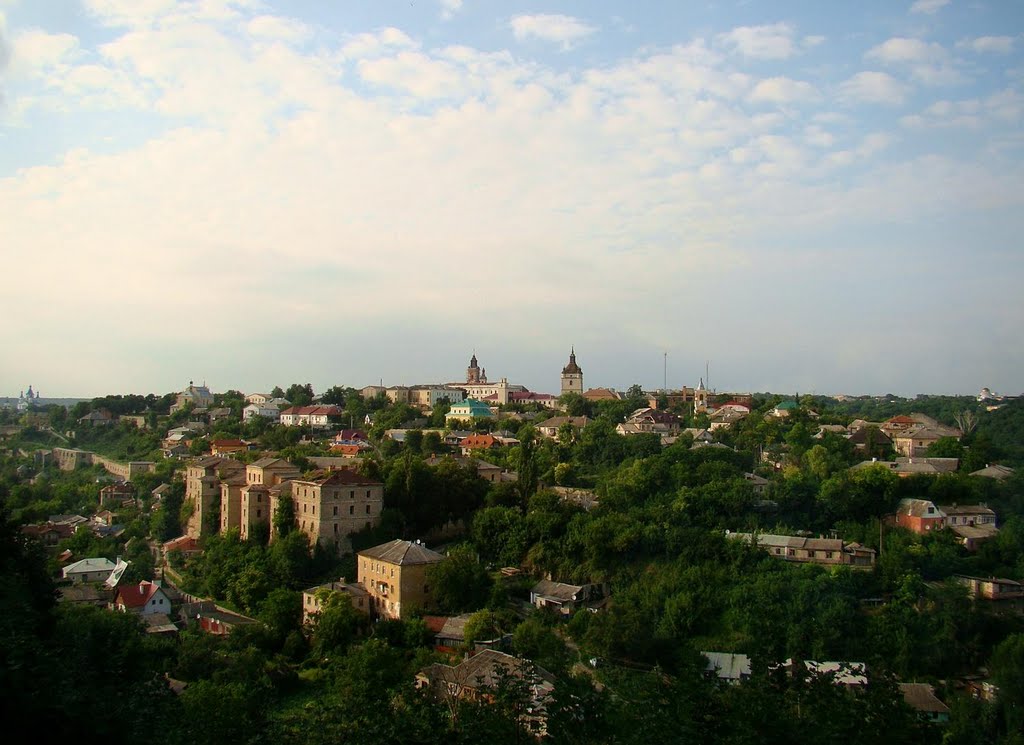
(459, 582)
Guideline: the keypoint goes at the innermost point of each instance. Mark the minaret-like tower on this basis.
(572, 375)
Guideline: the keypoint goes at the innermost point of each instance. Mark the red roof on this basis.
(135, 596)
(903, 419)
(314, 410)
(434, 623)
(184, 543)
(478, 441)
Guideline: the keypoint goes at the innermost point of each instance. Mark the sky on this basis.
(797, 196)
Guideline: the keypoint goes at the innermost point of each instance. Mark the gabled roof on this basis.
(403, 553)
(918, 508)
(484, 669)
(966, 509)
(556, 590)
(728, 666)
(100, 564)
(994, 471)
(921, 697)
(136, 595)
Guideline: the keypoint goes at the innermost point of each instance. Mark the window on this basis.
(426, 589)
(351, 509)
(351, 495)
(367, 493)
(259, 513)
(335, 510)
(314, 509)
(335, 528)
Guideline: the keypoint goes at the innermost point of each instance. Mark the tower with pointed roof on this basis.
(572, 375)
(473, 373)
(700, 398)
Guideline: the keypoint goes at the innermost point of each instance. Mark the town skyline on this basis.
(409, 378)
(814, 199)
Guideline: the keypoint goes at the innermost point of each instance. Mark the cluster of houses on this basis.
(971, 523)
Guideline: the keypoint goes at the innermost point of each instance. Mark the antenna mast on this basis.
(665, 389)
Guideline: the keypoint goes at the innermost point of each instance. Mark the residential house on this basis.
(550, 427)
(783, 409)
(974, 515)
(991, 588)
(395, 576)
(648, 420)
(869, 438)
(88, 570)
(143, 598)
(727, 667)
(212, 618)
(258, 398)
(117, 494)
(915, 442)
(185, 545)
(898, 424)
(475, 443)
(758, 483)
(49, 533)
(994, 471)
(921, 698)
(851, 675)
(98, 418)
(823, 551)
(602, 394)
(313, 599)
(228, 447)
(156, 496)
(479, 676)
(265, 410)
(332, 505)
(449, 631)
(916, 466)
(725, 418)
(85, 594)
(564, 598)
(314, 417)
(919, 515)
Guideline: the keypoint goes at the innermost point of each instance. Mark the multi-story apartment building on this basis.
(394, 575)
(332, 505)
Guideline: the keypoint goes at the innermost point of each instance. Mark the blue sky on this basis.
(813, 196)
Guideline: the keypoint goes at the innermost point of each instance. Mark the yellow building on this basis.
(332, 505)
(395, 577)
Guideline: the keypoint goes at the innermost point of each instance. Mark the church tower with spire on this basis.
(473, 372)
(572, 375)
(700, 398)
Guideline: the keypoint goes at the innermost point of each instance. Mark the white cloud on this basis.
(558, 28)
(812, 41)
(450, 7)
(902, 50)
(382, 173)
(782, 90)
(369, 44)
(988, 44)
(929, 7)
(873, 87)
(773, 41)
(277, 28)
